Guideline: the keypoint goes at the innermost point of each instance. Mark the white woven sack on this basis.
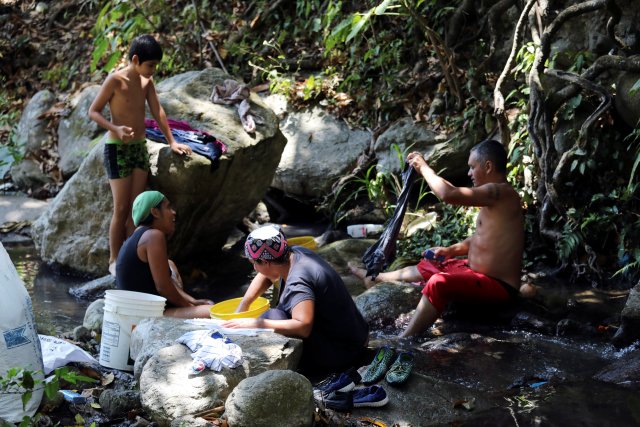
(19, 343)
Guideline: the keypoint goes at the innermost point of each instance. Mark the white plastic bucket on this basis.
(123, 310)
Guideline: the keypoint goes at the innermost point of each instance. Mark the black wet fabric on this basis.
(382, 253)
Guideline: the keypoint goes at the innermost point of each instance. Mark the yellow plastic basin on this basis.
(225, 309)
(304, 241)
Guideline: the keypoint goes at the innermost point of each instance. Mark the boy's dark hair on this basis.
(492, 150)
(146, 47)
(149, 219)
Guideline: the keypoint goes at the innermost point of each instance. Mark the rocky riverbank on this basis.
(547, 360)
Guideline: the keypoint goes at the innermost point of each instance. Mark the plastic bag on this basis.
(57, 352)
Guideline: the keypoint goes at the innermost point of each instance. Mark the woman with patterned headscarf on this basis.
(314, 303)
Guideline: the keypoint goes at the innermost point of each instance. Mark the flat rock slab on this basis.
(20, 208)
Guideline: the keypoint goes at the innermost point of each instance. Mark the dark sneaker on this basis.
(338, 401)
(373, 396)
(379, 366)
(401, 369)
(341, 382)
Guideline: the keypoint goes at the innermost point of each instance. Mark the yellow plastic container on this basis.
(225, 309)
(304, 241)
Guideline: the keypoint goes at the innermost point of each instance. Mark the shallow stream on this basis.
(56, 311)
(511, 376)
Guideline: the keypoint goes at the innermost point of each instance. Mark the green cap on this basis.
(143, 204)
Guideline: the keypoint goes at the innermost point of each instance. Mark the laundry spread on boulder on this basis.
(211, 349)
(200, 141)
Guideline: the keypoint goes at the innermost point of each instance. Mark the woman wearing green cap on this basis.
(143, 264)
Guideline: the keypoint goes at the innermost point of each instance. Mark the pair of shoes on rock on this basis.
(344, 401)
(342, 382)
(400, 369)
(383, 366)
(335, 383)
(379, 366)
(373, 396)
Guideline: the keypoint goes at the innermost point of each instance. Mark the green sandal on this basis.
(379, 366)
(401, 369)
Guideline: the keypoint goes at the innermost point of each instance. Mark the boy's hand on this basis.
(178, 148)
(124, 133)
(181, 148)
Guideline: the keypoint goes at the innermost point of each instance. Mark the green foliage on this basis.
(60, 75)
(634, 139)
(635, 88)
(454, 224)
(525, 58)
(24, 382)
(9, 152)
(120, 21)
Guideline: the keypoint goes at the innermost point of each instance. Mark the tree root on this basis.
(445, 56)
(494, 16)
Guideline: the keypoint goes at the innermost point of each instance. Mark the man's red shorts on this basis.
(453, 280)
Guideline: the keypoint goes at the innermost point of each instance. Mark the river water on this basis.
(56, 311)
(517, 377)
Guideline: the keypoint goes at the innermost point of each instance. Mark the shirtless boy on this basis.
(491, 271)
(125, 153)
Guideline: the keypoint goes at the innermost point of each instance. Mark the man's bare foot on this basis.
(112, 268)
(361, 273)
(528, 290)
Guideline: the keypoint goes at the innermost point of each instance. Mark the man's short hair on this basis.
(146, 47)
(492, 150)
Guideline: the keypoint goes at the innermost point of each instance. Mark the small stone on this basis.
(80, 333)
(42, 7)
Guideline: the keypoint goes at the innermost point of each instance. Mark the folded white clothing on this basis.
(212, 348)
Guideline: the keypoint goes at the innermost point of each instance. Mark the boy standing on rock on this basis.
(125, 154)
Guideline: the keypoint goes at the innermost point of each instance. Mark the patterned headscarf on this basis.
(267, 243)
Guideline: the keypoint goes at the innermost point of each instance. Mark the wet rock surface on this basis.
(549, 360)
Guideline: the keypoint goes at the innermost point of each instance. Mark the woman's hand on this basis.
(202, 302)
(243, 323)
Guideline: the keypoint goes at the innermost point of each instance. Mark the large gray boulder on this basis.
(387, 301)
(446, 153)
(31, 132)
(273, 398)
(321, 149)
(76, 132)
(627, 101)
(168, 390)
(629, 330)
(74, 231)
(31, 137)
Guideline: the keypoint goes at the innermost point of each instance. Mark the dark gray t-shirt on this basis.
(339, 333)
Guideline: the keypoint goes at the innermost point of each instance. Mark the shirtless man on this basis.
(491, 271)
(125, 153)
